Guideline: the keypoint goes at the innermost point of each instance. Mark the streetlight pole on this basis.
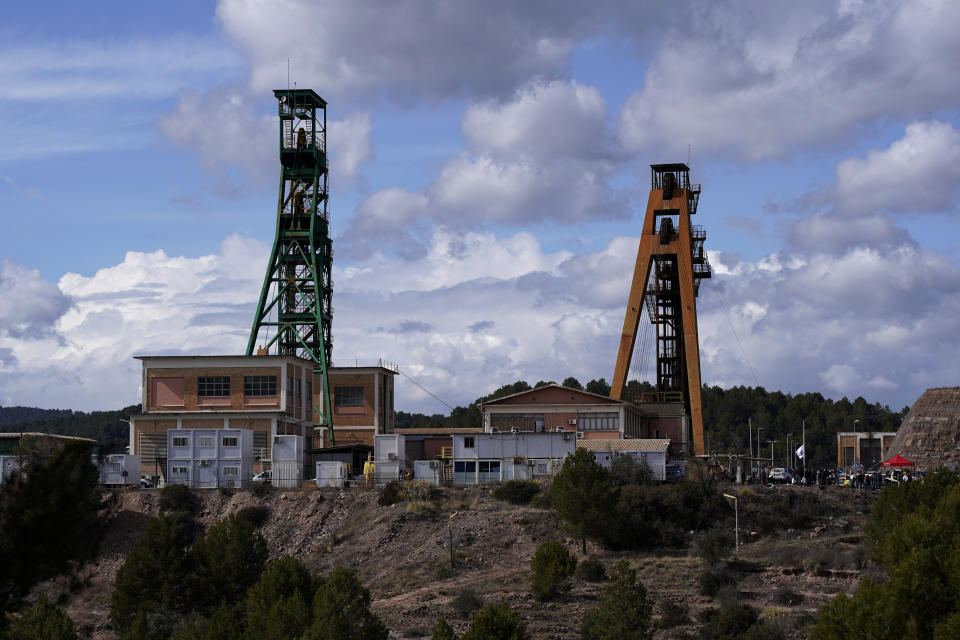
(789, 452)
(856, 442)
(759, 429)
(736, 520)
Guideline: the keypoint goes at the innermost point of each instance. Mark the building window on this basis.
(489, 471)
(181, 441)
(348, 396)
(205, 441)
(213, 386)
(230, 441)
(598, 422)
(231, 472)
(506, 422)
(178, 471)
(259, 386)
(468, 442)
(298, 390)
(113, 467)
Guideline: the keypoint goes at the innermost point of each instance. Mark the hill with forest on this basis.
(108, 428)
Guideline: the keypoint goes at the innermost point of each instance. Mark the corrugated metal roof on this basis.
(433, 431)
(34, 434)
(629, 444)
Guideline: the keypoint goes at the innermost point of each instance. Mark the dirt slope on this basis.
(401, 553)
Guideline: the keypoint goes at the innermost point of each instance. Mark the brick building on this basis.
(557, 408)
(268, 394)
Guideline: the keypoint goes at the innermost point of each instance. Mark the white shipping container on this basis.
(331, 473)
(428, 470)
(287, 474)
(389, 447)
(118, 469)
(384, 471)
(9, 465)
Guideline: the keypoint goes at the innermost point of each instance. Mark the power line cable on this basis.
(427, 391)
(730, 322)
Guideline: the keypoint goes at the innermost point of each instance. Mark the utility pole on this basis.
(736, 521)
(750, 436)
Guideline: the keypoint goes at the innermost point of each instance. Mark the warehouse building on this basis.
(269, 395)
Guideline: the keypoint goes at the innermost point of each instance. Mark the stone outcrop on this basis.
(930, 434)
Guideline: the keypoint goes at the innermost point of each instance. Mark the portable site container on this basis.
(429, 471)
(389, 447)
(331, 473)
(495, 457)
(117, 469)
(287, 461)
(384, 471)
(210, 458)
(9, 466)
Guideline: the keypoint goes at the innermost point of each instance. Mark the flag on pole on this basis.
(800, 452)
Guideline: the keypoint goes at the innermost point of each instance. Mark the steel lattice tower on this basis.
(670, 265)
(298, 286)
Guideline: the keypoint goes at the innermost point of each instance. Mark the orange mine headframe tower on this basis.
(670, 265)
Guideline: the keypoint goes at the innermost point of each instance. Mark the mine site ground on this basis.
(401, 553)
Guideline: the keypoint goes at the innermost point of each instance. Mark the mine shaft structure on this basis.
(670, 264)
(295, 311)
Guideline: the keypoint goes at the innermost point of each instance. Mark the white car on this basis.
(264, 477)
(779, 474)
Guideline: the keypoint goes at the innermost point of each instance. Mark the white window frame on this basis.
(180, 441)
(205, 441)
(179, 471)
(232, 472)
(234, 441)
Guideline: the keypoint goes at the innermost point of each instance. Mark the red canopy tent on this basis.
(896, 461)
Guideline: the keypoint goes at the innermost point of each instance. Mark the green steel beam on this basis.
(301, 254)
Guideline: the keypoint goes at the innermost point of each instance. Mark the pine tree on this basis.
(583, 495)
(623, 612)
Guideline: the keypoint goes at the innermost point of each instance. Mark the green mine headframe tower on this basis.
(295, 312)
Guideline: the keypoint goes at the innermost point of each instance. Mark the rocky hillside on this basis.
(401, 553)
(930, 434)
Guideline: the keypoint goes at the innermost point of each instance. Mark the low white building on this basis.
(210, 458)
(117, 469)
(287, 463)
(652, 452)
(388, 457)
(9, 466)
(497, 457)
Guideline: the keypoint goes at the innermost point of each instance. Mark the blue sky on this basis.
(489, 172)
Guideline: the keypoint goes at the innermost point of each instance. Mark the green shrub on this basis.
(390, 494)
(42, 620)
(552, 564)
(673, 614)
(256, 514)
(517, 491)
(624, 471)
(591, 570)
(178, 497)
(712, 580)
(341, 609)
(443, 631)
(424, 507)
(496, 622)
(714, 546)
(787, 596)
(622, 612)
(466, 602)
